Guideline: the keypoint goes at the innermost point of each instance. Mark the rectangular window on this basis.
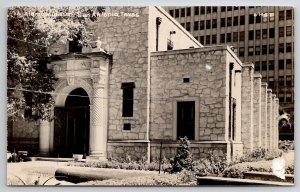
(271, 33)
(202, 25)
(171, 12)
(222, 38)
(214, 23)
(196, 10)
(214, 39)
(202, 10)
(223, 9)
(235, 36)
(281, 15)
(241, 52)
(228, 37)
(265, 33)
(281, 81)
(127, 110)
(257, 66)
(182, 11)
(215, 9)
(207, 40)
(251, 35)
(229, 21)
(250, 51)
(281, 97)
(288, 47)
(188, 26)
(289, 98)
(182, 24)
(271, 83)
(196, 26)
(271, 49)
(207, 24)
(235, 21)
(271, 17)
(242, 36)
(208, 10)
(196, 38)
(251, 19)
(281, 64)
(202, 40)
(265, 18)
(264, 65)
(188, 11)
(271, 65)
(127, 127)
(289, 14)
(288, 64)
(242, 20)
(229, 8)
(281, 31)
(236, 8)
(242, 7)
(289, 81)
(288, 30)
(176, 12)
(257, 34)
(257, 50)
(258, 19)
(265, 49)
(223, 22)
(281, 48)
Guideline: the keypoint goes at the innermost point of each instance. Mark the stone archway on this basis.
(71, 125)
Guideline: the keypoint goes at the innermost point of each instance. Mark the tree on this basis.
(31, 31)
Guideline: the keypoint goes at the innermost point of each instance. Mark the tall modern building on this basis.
(261, 35)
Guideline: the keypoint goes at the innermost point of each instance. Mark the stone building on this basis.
(146, 81)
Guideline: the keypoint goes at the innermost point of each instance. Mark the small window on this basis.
(289, 98)
(281, 64)
(215, 9)
(128, 99)
(242, 20)
(251, 35)
(257, 66)
(271, 33)
(281, 15)
(182, 24)
(264, 65)
(271, 49)
(271, 16)
(214, 23)
(289, 14)
(126, 126)
(251, 19)
(223, 9)
(281, 48)
(223, 22)
(257, 34)
(208, 10)
(235, 21)
(188, 11)
(182, 11)
(250, 51)
(202, 24)
(229, 21)
(202, 10)
(207, 40)
(281, 31)
(289, 81)
(258, 18)
(242, 36)
(222, 38)
(264, 49)
(207, 24)
(271, 65)
(235, 36)
(201, 40)
(188, 26)
(289, 47)
(176, 12)
(228, 37)
(265, 33)
(289, 31)
(214, 39)
(186, 80)
(196, 26)
(196, 10)
(229, 8)
(171, 13)
(241, 52)
(257, 50)
(288, 64)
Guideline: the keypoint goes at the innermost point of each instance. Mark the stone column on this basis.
(247, 107)
(264, 114)
(256, 111)
(269, 119)
(272, 136)
(44, 138)
(98, 130)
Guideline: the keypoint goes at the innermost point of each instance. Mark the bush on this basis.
(183, 159)
(17, 157)
(286, 145)
(212, 165)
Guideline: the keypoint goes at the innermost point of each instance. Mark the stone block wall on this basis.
(269, 118)
(207, 88)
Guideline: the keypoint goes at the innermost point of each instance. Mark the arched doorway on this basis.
(71, 129)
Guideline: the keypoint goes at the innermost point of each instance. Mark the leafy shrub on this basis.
(211, 165)
(286, 145)
(183, 159)
(17, 157)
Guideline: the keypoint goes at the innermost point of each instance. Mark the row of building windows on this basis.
(269, 65)
(256, 17)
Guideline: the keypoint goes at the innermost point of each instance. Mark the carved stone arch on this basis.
(63, 89)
